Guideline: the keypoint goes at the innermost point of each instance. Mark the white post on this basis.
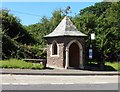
(67, 59)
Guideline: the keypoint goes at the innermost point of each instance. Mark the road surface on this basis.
(41, 82)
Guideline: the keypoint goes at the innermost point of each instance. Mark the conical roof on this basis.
(65, 28)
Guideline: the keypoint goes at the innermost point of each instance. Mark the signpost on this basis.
(92, 37)
(90, 54)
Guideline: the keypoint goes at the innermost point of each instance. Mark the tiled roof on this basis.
(65, 28)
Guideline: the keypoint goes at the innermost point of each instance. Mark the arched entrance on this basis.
(74, 55)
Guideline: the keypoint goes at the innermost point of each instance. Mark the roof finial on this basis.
(67, 10)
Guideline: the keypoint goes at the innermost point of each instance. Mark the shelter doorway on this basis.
(74, 55)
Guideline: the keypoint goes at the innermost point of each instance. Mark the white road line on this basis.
(5, 83)
(69, 83)
(15, 83)
(24, 83)
(60, 83)
(98, 83)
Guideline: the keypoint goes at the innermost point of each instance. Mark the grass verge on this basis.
(14, 63)
(115, 65)
(109, 66)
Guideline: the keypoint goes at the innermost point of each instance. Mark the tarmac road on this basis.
(48, 82)
(110, 86)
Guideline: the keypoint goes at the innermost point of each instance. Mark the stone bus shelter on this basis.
(66, 46)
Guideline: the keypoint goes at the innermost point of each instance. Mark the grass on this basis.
(14, 63)
(109, 66)
(115, 65)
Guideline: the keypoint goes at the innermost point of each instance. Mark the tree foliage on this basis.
(44, 27)
(14, 36)
(12, 27)
(103, 20)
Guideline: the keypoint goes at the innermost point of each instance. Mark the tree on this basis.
(44, 27)
(108, 32)
(13, 37)
(103, 20)
(12, 27)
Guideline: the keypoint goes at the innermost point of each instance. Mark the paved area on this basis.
(41, 79)
(28, 79)
(56, 72)
(43, 82)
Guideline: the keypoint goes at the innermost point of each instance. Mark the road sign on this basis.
(92, 36)
(90, 53)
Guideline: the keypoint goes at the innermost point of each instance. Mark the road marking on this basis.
(99, 83)
(5, 83)
(24, 83)
(60, 83)
(15, 83)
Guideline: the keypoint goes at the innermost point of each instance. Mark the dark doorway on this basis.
(74, 55)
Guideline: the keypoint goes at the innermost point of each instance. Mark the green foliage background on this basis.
(103, 19)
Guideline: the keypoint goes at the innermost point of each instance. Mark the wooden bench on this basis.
(42, 61)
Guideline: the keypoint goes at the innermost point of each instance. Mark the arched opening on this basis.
(54, 49)
(74, 55)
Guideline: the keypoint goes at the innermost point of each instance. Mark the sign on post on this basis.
(90, 53)
(92, 36)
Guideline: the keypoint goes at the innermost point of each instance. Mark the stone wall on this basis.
(55, 60)
(59, 60)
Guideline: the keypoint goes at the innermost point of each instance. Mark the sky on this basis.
(32, 12)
